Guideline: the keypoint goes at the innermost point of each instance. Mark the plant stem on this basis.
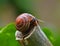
(38, 38)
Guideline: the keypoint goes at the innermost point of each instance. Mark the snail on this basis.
(24, 24)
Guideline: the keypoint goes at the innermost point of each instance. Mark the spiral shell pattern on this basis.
(23, 21)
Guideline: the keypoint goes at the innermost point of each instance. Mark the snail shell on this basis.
(25, 22)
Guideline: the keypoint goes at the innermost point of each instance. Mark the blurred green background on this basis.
(46, 10)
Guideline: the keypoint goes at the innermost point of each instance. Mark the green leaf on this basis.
(0, 28)
(49, 34)
(7, 36)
